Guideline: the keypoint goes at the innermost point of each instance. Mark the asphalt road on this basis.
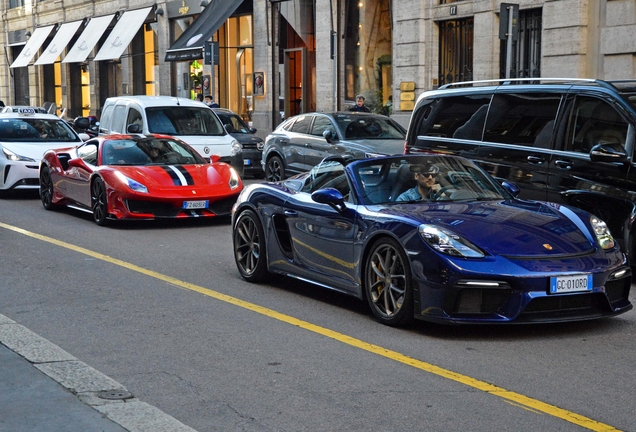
(160, 308)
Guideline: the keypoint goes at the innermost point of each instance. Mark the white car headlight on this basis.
(449, 243)
(15, 157)
(132, 184)
(234, 179)
(236, 148)
(602, 233)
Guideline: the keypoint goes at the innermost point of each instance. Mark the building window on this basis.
(151, 60)
(368, 53)
(16, 3)
(455, 51)
(526, 50)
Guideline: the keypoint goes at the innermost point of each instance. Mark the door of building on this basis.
(296, 82)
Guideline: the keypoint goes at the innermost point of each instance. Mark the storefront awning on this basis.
(122, 34)
(59, 42)
(88, 39)
(189, 45)
(32, 46)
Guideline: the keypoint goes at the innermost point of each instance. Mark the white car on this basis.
(25, 135)
(191, 121)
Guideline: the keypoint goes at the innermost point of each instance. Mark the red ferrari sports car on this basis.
(137, 177)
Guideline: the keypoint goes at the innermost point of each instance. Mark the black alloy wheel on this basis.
(46, 188)
(274, 170)
(249, 247)
(387, 283)
(99, 202)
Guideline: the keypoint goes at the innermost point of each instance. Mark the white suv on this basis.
(25, 135)
(188, 120)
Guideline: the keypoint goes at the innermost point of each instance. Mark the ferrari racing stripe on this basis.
(174, 175)
(186, 175)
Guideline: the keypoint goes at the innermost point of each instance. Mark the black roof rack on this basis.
(537, 80)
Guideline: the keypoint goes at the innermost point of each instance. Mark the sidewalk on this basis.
(44, 388)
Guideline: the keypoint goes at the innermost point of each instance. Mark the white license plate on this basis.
(195, 204)
(565, 284)
(247, 162)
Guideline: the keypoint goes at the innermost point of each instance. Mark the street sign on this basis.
(211, 53)
(508, 11)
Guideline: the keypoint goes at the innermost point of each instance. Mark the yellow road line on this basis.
(516, 398)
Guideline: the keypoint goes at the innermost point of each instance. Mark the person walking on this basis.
(360, 106)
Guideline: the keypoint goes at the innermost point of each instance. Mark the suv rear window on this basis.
(519, 118)
(454, 117)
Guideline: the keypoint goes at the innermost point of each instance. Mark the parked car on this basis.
(246, 136)
(472, 253)
(137, 177)
(302, 141)
(569, 141)
(25, 134)
(191, 121)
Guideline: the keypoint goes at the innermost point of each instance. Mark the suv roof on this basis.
(617, 85)
(159, 101)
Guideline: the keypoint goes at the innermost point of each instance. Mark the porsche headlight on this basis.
(602, 233)
(14, 157)
(132, 184)
(236, 148)
(234, 179)
(449, 243)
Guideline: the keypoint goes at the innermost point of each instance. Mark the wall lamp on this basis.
(159, 11)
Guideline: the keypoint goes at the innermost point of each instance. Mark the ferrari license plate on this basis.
(566, 284)
(188, 205)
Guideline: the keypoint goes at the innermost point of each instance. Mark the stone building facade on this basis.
(318, 54)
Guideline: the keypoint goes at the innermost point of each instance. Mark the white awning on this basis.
(33, 45)
(122, 34)
(88, 39)
(59, 42)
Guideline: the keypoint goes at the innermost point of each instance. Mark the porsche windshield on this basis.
(148, 152)
(183, 121)
(36, 130)
(424, 179)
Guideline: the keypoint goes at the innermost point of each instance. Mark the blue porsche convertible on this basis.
(431, 237)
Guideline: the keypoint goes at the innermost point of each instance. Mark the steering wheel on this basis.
(448, 190)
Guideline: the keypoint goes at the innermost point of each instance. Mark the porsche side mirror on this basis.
(511, 188)
(329, 136)
(331, 197)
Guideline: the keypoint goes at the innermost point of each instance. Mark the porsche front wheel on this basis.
(46, 189)
(100, 202)
(274, 169)
(387, 278)
(249, 247)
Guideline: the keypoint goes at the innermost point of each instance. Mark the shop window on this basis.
(455, 51)
(368, 53)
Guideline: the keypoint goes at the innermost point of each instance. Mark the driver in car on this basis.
(426, 187)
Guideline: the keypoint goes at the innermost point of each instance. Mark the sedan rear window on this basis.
(36, 130)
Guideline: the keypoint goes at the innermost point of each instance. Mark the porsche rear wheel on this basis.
(387, 283)
(46, 189)
(249, 247)
(274, 170)
(99, 202)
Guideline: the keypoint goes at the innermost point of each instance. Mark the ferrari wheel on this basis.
(46, 189)
(249, 247)
(274, 170)
(100, 202)
(387, 278)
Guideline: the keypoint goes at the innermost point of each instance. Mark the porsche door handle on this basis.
(290, 213)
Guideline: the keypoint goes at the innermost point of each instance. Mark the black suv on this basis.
(568, 141)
